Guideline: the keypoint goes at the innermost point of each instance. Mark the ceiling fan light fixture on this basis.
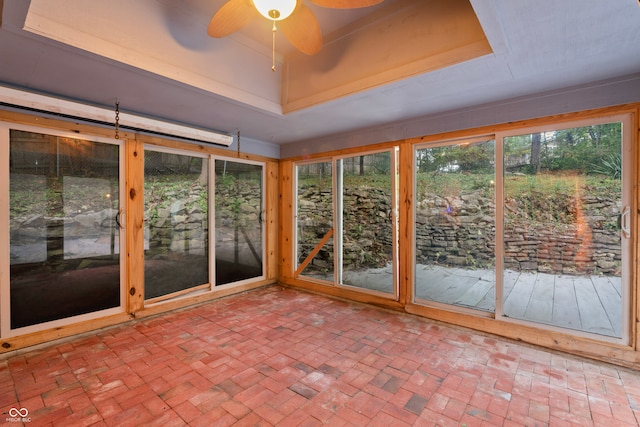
(275, 10)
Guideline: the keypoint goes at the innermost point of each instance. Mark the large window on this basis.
(455, 224)
(346, 221)
(176, 206)
(367, 236)
(239, 221)
(566, 228)
(314, 220)
(64, 229)
(193, 223)
(534, 227)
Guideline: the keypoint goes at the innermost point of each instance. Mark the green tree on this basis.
(580, 148)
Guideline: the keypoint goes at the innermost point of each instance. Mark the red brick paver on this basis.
(283, 357)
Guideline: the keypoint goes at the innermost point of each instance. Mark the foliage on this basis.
(51, 198)
(610, 166)
(544, 197)
(381, 181)
(476, 158)
(29, 200)
(453, 184)
(541, 198)
(574, 149)
(552, 197)
(162, 191)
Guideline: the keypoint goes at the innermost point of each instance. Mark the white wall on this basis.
(598, 94)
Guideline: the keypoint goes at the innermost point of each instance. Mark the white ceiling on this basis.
(155, 58)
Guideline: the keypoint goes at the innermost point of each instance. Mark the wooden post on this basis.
(286, 219)
(134, 224)
(635, 223)
(270, 219)
(406, 224)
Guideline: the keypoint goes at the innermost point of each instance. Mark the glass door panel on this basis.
(64, 201)
(455, 225)
(367, 238)
(314, 221)
(176, 206)
(566, 228)
(239, 215)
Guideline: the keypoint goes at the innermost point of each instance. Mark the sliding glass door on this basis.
(63, 219)
(533, 228)
(346, 221)
(176, 206)
(567, 227)
(455, 224)
(314, 221)
(65, 234)
(366, 209)
(239, 218)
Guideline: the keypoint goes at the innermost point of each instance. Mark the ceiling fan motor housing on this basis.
(276, 10)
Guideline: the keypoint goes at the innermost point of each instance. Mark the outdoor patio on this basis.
(584, 303)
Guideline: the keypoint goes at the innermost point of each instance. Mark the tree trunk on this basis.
(203, 179)
(535, 152)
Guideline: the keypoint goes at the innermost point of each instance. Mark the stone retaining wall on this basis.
(460, 231)
(367, 235)
(453, 231)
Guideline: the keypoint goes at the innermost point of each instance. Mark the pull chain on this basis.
(273, 46)
(117, 136)
(238, 143)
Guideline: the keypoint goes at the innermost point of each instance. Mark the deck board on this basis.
(583, 303)
(509, 280)
(444, 285)
(565, 305)
(475, 294)
(516, 303)
(611, 300)
(592, 313)
(540, 307)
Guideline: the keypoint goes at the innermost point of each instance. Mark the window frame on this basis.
(212, 220)
(5, 281)
(628, 198)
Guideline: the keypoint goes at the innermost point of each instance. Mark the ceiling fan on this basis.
(296, 20)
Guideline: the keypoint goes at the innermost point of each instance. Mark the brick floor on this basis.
(283, 357)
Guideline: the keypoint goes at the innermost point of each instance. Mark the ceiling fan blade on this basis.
(302, 30)
(346, 4)
(232, 16)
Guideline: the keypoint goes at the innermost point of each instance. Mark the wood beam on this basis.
(134, 226)
(313, 253)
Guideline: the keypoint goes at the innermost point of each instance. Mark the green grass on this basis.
(455, 184)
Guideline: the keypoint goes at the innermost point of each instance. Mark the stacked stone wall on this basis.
(460, 232)
(180, 225)
(453, 231)
(367, 233)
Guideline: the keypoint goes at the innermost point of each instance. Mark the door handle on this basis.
(118, 219)
(625, 225)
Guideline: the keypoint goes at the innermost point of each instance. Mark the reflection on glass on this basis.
(176, 201)
(238, 221)
(315, 221)
(367, 244)
(455, 225)
(64, 240)
(562, 244)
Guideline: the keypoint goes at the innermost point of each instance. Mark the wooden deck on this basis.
(584, 303)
